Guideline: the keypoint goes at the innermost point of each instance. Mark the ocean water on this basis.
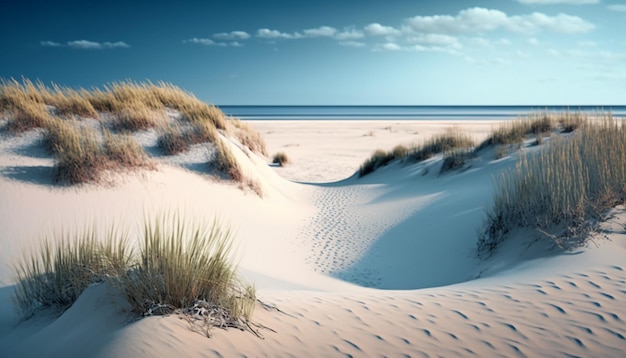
(403, 112)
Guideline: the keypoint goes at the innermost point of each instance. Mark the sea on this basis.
(407, 112)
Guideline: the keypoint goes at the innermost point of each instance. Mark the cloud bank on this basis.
(87, 45)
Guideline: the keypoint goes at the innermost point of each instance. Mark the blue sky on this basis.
(411, 52)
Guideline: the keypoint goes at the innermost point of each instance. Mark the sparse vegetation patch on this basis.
(180, 266)
(570, 184)
(448, 141)
(281, 159)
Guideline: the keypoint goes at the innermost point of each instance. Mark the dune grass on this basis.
(79, 156)
(25, 106)
(450, 140)
(179, 263)
(513, 133)
(136, 116)
(173, 140)
(61, 269)
(456, 159)
(281, 159)
(84, 151)
(247, 136)
(569, 185)
(82, 155)
(226, 162)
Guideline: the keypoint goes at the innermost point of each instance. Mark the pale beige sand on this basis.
(379, 266)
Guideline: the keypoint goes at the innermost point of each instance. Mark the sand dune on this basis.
(377, 266)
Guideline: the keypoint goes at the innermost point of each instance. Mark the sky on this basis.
(328, 52)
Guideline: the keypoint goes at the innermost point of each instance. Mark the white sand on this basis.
(378, 266)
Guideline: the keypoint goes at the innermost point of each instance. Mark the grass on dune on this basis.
(81, 156)
(569, 185)
(443, 143)
(226, 162)
(281, 159)
(179, 265)
(61, 269)
(83, 152)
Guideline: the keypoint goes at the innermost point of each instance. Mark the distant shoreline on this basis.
(418, 113)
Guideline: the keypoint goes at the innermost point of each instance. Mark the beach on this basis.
(383, 265)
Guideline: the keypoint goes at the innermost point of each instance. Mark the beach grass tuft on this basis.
(61, 269)
(179, 264)
(226, 162)
(281, 159)
(450, 140)
(569, 185)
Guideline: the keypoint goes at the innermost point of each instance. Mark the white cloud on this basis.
(377, 29)
(50, 44)
(209, 42)
(546, 2)
(481, 20)
(323, 31)
(233, 35)
(390, 46)
(87, 45)
(533, 41)
(617, 7)
(352, 43)
(205, 42)
(554, 52)
(275, 34)
(444, 41)
(350, 35)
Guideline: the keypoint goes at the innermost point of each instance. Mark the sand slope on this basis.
(378, 266)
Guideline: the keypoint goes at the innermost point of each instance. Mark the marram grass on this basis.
(178, 264)
(450, 140)
(571, 183)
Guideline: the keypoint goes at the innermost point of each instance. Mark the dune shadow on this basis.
(36, 151)
(37, 174)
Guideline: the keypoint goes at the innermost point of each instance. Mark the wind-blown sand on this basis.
(377, 266)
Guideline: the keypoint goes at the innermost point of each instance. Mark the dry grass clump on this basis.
(136, 116)
(226, 162)
(281, 159)
(378, 159)
(456, 159)
(180, 266)
(123, 152)
(197, 111)
(67, 101)
(61, 270)
(79, 156)
(173, 140)
(569, 122)
(569, 184)
(203, 132)
(177, 138)
(248, 136)
(82, 155)
(452, 139)
(514, 132)
(445, 142)
(25, 106)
